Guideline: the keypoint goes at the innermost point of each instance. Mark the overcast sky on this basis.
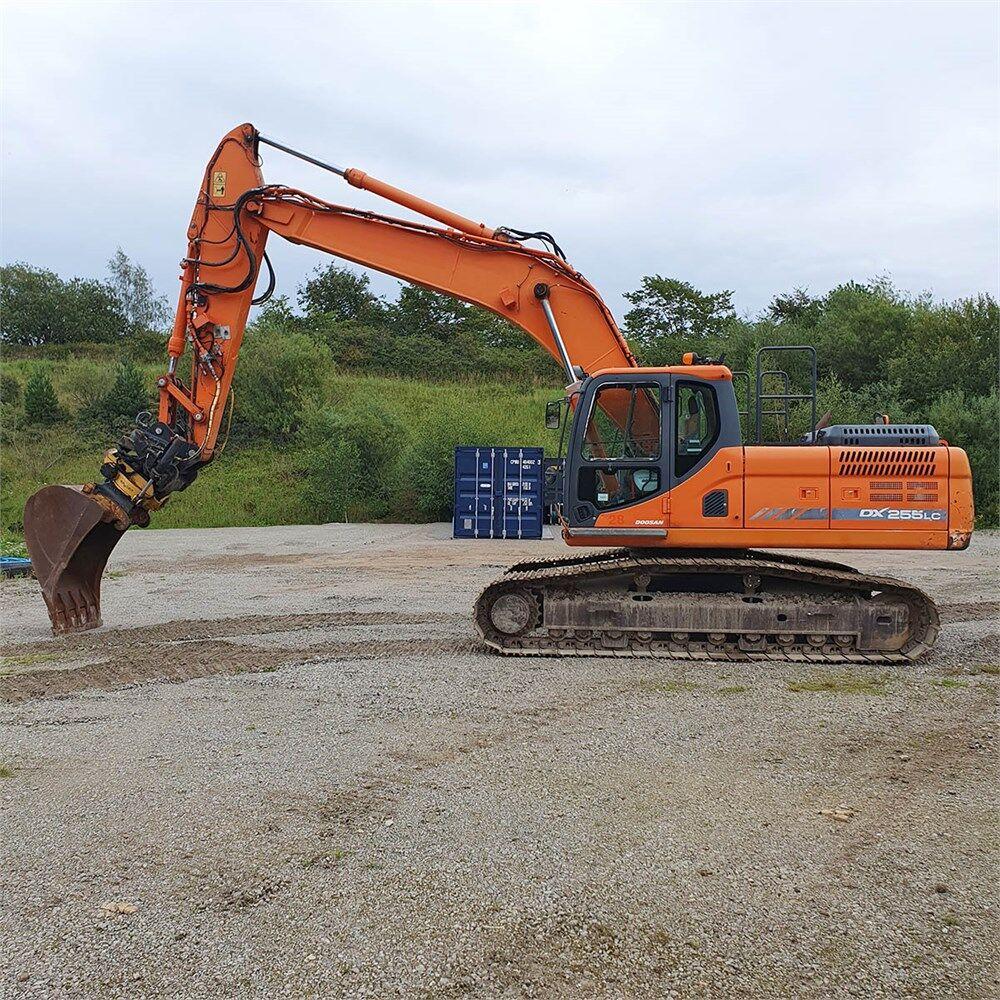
(756, 147)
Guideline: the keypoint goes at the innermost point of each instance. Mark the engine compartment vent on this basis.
(890, 464)
(886, 492)
(909, 435)
(715, 504)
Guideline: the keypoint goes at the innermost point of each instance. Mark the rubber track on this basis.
(534, 575)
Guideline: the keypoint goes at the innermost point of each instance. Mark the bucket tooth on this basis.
(69, 536)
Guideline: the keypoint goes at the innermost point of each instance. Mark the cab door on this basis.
(705, 455)
(617, 466)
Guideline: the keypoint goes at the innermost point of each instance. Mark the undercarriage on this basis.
(694, 605)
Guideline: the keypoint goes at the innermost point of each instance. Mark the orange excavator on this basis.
(655, 466)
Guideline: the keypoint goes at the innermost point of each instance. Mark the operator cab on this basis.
(637, 433)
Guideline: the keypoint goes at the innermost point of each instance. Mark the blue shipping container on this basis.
(498, 492)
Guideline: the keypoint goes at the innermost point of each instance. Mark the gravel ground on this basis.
(343, 795)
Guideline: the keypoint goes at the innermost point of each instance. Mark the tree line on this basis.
(880, 350)
(38, 307)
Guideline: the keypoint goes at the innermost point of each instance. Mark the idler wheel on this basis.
(514, 613)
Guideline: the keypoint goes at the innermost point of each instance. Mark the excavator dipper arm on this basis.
(71, 531)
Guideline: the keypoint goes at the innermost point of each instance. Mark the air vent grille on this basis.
(715, 504)
(885, 491)
(901, 433)
(889, 463)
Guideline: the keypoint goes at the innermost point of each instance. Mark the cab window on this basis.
(697, 423)
(610, 486)
(624, 424)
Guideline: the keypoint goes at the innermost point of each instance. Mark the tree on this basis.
(795, 306)
(137, 300)
(970, 422)
(950, 346)
(40, 403)
(858, 329)
(124, 400)
(38, 307)
(668, 307)
(341, 293)
(276, 313)
(421, 312)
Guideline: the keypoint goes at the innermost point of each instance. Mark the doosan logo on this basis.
(656, 523)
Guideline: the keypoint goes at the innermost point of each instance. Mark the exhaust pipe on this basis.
(70, 535)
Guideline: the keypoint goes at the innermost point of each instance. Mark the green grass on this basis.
(839, 684)
(732, 689)
(325, 858)
(25, 660)
(665, 686)
(949, 682)
(6, 771)
(261, 483)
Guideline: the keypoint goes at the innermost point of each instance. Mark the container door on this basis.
(519, 515)
(475, 497)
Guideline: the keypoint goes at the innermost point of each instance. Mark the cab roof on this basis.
(718, 373)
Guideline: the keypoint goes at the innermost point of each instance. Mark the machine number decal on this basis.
(219, 184)
(887, 514)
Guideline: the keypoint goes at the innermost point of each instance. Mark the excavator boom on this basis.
(71, 531)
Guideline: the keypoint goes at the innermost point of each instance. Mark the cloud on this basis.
(752, 147)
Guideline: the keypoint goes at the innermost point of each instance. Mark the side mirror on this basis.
(553, 415)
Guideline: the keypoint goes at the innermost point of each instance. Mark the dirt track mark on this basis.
(186, 630)
(346, 810)
(185, 650)
(419, 560)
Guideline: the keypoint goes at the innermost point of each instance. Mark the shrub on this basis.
(488, 422)
(10, 389)
(280, 374)
(431, 463)
(126, 397)
(40, 403)
(350, 460)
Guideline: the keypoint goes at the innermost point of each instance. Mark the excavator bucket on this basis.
(69, 538)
